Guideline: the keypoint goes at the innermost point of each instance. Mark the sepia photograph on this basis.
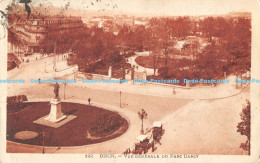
(112, 79)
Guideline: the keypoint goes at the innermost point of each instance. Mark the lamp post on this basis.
(45, 67)
(64, 89)
(43, 135)
(74, 71)
(120, 99)
(142, 114)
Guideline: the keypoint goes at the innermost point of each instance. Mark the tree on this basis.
(194, 49)
(207, 28)
(156, 58)
(139, 37)
(239, 47)
(124, 38)
(181, 27)
(163, 32)
(244, 126)
(222, 28)
(151, 43)
(207, 62)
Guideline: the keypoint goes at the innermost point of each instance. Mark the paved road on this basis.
(160, 106)
(139, 68)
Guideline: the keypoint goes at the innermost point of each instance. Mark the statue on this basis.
(56, 115)
(56, 90)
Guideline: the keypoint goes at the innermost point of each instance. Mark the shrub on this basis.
(16, 102)
(105, 125)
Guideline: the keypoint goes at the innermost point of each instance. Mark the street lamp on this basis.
(120, 99)
(45, 67)
(142, 114)
(64, 89)
(74, 71)
(43, 135)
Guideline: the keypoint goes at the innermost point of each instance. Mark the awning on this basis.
(142, 137)
(157, 124)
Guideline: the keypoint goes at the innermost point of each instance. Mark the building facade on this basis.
(34, 31)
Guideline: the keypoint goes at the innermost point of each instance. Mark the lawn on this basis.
(148, 61)
(92, 125)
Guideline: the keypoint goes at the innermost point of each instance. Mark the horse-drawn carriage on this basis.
(145, 142)
(157, 131)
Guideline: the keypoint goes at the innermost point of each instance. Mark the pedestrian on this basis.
(173, 91)
(89, 99)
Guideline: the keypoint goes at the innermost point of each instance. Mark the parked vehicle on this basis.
(157, 131)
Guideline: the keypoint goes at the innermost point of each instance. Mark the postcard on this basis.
(130, 81)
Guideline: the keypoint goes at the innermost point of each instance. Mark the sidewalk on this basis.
(14, 72)
(220, 91)
(139, 68)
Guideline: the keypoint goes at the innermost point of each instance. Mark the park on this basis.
(129, 117)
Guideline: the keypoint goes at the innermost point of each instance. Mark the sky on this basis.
(169, 7)
(188, 7)
(156, 7)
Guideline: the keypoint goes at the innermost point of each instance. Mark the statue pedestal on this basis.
(56, 114)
